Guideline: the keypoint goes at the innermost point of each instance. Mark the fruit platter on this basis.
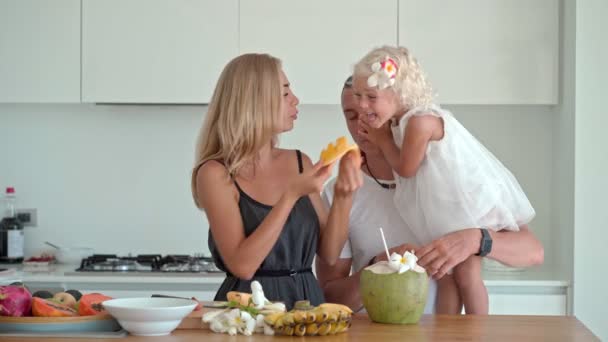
(43, 311)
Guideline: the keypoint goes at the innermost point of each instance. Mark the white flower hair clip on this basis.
(384, 73)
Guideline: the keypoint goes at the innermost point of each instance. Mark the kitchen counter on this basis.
(435, 328)
(67, 274)
(59, 277)
(535, 291)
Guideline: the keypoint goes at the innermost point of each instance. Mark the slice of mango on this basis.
(335, 150)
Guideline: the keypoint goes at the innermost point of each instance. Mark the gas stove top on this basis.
(148, 263)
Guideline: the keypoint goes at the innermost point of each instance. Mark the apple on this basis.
(65, 299)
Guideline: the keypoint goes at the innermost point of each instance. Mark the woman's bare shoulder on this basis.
(212, 169)
(213, 178)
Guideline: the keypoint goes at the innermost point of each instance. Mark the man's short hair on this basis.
(348, 83)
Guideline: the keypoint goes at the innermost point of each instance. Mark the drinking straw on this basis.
(388, 257)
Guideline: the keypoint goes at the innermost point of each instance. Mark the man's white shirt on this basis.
(372, 208)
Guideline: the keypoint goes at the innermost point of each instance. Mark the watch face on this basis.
(486, 243)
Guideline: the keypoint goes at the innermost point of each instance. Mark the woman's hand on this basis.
(349, 177)
(443, 254)
(310, 181)
(377, 136)
(398, 249)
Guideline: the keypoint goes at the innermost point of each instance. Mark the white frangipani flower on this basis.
(383, 73)
(257, 295)
(259, 323)
(234, 321)
(268, 330)
(403, 263)
(239, 320)
(212, 315)
(218, 326)
(248, 324)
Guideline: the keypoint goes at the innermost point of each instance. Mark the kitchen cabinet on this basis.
(40, 51)
(534, 291)
(485, 52)
(318, 41)
(528, 304)
(155, 51)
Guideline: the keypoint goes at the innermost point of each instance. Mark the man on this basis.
(373, 208)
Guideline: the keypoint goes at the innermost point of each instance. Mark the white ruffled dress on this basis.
(460, 184)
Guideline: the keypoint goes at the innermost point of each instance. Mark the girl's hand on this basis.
(377, 136)
(349, 177)
(310, 181)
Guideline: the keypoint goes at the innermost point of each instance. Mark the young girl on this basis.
(263, 204)
(447, 180)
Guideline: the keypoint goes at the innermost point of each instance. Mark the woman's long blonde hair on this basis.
(410, 82)
(242, 113)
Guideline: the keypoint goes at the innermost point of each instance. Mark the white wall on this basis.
(117, 178)
(591, 162)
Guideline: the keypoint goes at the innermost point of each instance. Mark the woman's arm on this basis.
(518, 249)
(218, 197)
(334, 226)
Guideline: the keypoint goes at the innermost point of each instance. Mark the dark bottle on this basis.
(11, 231)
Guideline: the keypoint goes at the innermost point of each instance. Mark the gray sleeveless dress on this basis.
(285, 274)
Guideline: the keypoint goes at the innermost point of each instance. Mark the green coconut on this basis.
(390, 297)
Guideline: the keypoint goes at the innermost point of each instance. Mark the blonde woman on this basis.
(266, 217)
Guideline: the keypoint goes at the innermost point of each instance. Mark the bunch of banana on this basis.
(304, 319)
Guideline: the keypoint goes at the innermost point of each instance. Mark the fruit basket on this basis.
(61, 314)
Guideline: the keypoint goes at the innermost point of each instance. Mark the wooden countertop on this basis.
(430, 328)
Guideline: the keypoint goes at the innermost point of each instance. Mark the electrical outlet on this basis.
(29, 217)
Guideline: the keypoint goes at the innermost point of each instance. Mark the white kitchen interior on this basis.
(101, 102)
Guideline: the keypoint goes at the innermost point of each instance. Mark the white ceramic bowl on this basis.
(149, 316)
(72, 255)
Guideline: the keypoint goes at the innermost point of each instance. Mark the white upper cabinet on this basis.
(156, 51)
(318, 41)
(485, 51)
(40, 51)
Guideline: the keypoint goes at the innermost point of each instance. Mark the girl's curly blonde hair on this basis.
(410, 81)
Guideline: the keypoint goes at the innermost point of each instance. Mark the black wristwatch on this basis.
(485, 247)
